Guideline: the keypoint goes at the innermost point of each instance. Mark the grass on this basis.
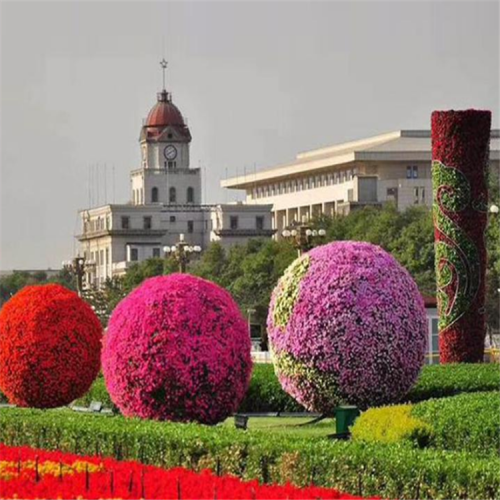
(289, 426)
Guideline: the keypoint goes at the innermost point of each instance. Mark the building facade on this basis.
(165, 204)
(393, 167)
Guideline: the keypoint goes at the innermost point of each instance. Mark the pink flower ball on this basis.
(347, 324)
(177, 348)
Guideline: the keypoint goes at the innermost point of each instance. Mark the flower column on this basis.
(460, 149)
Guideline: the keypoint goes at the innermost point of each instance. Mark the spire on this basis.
(163, 64)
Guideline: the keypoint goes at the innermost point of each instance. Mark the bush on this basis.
(391, 471)
(347, 324)
(50, 346)
(469, 422)
(391, 424)
(177, 348)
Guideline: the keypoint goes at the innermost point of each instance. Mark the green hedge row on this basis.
(469, 422)
(266, 395)
(392, 471)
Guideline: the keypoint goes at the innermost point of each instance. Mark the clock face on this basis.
(170, 152)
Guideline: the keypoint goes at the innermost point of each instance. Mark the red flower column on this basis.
(460, 150)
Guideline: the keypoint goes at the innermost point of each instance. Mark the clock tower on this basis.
(165, 176)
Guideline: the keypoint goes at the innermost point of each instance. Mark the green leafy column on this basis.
(460, 151)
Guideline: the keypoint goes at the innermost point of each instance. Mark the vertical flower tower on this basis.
(460, 150)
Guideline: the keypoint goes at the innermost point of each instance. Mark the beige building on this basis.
(393, 167)
(165, 204)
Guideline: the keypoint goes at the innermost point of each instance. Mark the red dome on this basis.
(164, 113)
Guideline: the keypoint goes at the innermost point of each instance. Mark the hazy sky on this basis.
(259, 82)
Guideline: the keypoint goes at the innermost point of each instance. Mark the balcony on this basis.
(253, 233)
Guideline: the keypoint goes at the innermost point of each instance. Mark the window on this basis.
(172, 164)
(259, 223)
(108, 222)
(415, 172)
(392, 194)
(422, 190)
(233, 222)
(190, 195)
(154, 195)
(101, 260)
(172, 195)
(107, 256)
(190, 226)
(408, 172)
(134, 254)
(415, 195)
(156, 252)
(172, 218)
(125, 222)
(147, 222)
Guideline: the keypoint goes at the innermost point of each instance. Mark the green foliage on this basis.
(391, 424)
(390, 471)
(266, 395)
(438, 381)
(469, 422)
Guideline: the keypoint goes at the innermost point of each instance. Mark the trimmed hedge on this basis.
(266, 395)
(467, 422)
(391, 471)
(391, 424)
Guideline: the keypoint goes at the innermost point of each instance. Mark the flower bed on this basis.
(30, 473)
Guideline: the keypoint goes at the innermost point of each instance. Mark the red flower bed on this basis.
(460, 141)
(50, 346)
(30, 473)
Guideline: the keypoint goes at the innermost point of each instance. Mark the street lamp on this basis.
(77, 267)
(181, 252)
(302, 236)
(494, 209)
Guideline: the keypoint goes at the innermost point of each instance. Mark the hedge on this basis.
(392, 424)
(391, 471)
(266, 395)
(467, 422)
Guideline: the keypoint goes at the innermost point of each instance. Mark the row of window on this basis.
(311, 182)
(234, 222)
(100, 257)
(138, 197)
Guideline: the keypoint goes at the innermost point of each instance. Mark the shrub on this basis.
(390, 471)
(439, 381)
(177, 348)
(469, 422)
(50, 344)
(391, 424)
(347, 324)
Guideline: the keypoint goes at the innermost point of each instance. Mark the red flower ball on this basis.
(50, 347)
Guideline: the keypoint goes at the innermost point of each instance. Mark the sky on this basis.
(258, 81)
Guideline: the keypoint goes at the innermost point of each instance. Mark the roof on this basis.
(401, 145)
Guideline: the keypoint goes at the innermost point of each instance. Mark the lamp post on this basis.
(181, 252)
(494, 209)
(77, 267)
(302, 236)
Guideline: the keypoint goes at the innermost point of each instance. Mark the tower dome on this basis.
(162, 115)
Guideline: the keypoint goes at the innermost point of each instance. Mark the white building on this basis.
(392, 167)
(165, 203)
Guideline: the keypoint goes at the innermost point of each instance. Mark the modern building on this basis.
(393, 167)
(165, 204)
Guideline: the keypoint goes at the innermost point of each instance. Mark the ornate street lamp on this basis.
(181, 252)
(494, 209)
(78, 266)
(302, 236)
